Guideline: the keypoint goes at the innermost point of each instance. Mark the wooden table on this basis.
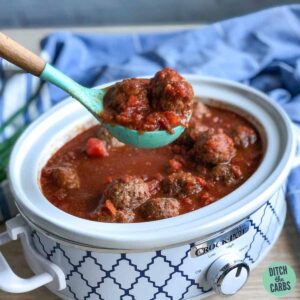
(287, 249)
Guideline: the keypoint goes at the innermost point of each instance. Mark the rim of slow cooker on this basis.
(143, 238)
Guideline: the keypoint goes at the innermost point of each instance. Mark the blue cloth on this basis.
(260, 49)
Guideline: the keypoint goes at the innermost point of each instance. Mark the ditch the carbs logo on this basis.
(279, 279)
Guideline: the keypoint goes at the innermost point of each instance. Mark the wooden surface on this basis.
(287, 249)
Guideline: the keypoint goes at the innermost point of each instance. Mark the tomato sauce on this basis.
(75, 181)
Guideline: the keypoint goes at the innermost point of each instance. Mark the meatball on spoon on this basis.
(92, 99)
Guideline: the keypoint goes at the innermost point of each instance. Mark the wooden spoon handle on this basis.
(20, 56)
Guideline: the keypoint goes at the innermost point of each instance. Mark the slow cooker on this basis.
(191, 256)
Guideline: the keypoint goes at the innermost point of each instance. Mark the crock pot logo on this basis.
(221, 240)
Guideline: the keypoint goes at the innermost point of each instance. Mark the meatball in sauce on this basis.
(160, 103)
(96, 177)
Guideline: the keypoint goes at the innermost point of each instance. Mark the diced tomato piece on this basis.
(110, 207)
(133, 101)
(190, 186)
(96, 148)
(209, 201)
(179, 158)
(172, 118)
(204, 196)
(126, 178)
(159, 177)
(186, 201)
(107, 117)
(201, 181)
(153, 186)
(175, 165)
(237, 171)
(108, 180)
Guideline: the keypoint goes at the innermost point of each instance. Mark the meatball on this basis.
(128, 94)
(227, 173)
(170, 92)
(200, 110)
(66, 177)
(110, 141)
(160, 208)
(120, 216)
(181, 184)
(185, 139)
(213, 148)
(125, 216)
(129, 193)
(244, 136)
(195, 127)
(191, 134)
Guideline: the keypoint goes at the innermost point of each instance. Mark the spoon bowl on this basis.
(146, 139)
(92, 99)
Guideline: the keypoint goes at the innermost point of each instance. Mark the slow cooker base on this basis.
(173, 273)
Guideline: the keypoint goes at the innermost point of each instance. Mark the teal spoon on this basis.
(92, 99)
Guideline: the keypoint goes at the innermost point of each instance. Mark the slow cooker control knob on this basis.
(227, 274)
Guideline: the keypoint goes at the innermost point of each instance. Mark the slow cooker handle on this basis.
(47, 272)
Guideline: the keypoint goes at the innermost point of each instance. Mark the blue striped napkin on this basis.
(260, 49)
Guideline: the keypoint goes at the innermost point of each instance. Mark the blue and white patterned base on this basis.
(157, 275)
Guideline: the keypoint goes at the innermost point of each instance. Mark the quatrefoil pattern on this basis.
(157, 275)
